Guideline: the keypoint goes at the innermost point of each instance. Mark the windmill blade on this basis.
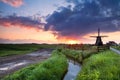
(93, 36)
(104, 36)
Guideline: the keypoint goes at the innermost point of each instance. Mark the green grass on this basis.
(102, 66)
(13, 52)
(78, 55)
(53, 68)
(73, 54)
(14, 49)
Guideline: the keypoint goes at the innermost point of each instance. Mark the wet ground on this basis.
(10, 64)
(73, 70)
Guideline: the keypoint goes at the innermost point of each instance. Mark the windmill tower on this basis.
(99, 41)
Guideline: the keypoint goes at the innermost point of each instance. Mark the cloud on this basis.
(14, 3)
(21, 21)
(84, 18)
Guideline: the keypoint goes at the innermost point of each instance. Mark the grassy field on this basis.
(14, 49)
(102, 66)
(52, 69)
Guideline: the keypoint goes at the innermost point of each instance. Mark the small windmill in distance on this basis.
(99, 41)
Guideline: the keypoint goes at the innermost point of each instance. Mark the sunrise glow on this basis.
(72, 42)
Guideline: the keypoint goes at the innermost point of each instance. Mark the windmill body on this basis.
(99, 41)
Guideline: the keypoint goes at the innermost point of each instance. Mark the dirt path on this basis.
(115, 50)
(11, 64)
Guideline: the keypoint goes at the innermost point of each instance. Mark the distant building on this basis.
(112, 43)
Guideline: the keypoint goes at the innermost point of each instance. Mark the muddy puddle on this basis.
(12, 65)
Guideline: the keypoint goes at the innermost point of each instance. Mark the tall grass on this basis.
(73, 54)
(52, 69)
(102, 66)
(78, 55)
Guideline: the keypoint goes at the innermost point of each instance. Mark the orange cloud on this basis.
(14, 3)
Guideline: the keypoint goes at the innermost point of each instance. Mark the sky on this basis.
(58, 21)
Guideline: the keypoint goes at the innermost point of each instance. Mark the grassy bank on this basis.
(52, 69)
(14, 49)
(116, 47)
(78, 55)
(73, 54)
(102, 66)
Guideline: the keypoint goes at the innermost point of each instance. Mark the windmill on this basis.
(99, 41)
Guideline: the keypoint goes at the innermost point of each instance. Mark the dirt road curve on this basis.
(10, 64)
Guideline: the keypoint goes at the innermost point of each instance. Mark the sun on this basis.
(72, 42)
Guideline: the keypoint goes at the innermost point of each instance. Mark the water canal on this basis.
(73, 70)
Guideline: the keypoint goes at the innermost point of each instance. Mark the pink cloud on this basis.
(21, 21)
(14, 3)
